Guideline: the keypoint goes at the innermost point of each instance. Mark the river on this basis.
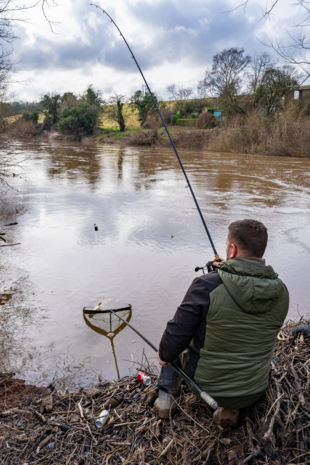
(149, 241)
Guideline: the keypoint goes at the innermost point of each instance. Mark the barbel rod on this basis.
(10, 224)
(167, 131)
(202, 394)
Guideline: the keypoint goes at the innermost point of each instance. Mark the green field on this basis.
(131, 118)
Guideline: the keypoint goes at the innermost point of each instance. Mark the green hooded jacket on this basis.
(246, 312)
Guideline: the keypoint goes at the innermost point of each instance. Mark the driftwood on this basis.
(275, 431)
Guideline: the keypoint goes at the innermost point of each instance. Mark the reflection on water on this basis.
(74, 165)
(150, 239)
(5, 298)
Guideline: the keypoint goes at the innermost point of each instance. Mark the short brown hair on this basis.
(250, 235)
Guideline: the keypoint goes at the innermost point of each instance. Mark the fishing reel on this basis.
(209, 266)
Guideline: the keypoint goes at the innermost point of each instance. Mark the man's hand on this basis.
(163, 364)
(215, 263)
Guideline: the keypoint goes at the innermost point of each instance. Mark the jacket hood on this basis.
(254, 286)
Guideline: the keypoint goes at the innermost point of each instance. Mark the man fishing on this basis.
(225, 329)
(229, 319)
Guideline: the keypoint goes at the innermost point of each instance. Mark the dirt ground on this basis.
(14, 393)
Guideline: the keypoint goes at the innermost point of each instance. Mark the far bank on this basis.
(283, 133)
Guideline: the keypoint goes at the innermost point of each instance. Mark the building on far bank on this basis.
(303, 92)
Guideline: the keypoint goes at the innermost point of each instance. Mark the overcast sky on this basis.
(173, 40)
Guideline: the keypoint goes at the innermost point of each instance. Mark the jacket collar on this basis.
(258, 261)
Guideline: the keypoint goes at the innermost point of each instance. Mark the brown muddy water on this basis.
(150, 239)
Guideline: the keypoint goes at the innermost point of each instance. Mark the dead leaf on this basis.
(155, 428)
(226, 441)
(46, 404)
(92, 391)
(232, 455)
(75, 419)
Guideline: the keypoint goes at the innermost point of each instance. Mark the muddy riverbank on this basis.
(51, 426)
(182, 137)
(282, 142)
(251, 136)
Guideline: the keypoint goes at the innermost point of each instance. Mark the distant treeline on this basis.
(236, 84)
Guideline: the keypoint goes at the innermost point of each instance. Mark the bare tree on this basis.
(226, 73)
(11, 13)
(7, 11)
(269, 7)
(225, 79)
(8, 163)
(180, 94)
(260, 63)
(295, 50)
(5, 71)
(276, 83)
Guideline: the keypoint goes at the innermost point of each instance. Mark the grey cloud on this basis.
(172, 44)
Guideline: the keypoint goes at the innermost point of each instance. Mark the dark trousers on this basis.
(169, 381)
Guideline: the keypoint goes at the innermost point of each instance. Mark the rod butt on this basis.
(208, 400)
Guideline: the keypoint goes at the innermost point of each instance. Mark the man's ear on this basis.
(233, 251)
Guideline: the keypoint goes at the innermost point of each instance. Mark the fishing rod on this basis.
(167, 131)
(10, 224)
(200, 393)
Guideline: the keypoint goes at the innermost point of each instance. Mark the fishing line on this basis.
(167, 131)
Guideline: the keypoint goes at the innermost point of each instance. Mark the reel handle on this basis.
(199, 268)
(210, 266)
